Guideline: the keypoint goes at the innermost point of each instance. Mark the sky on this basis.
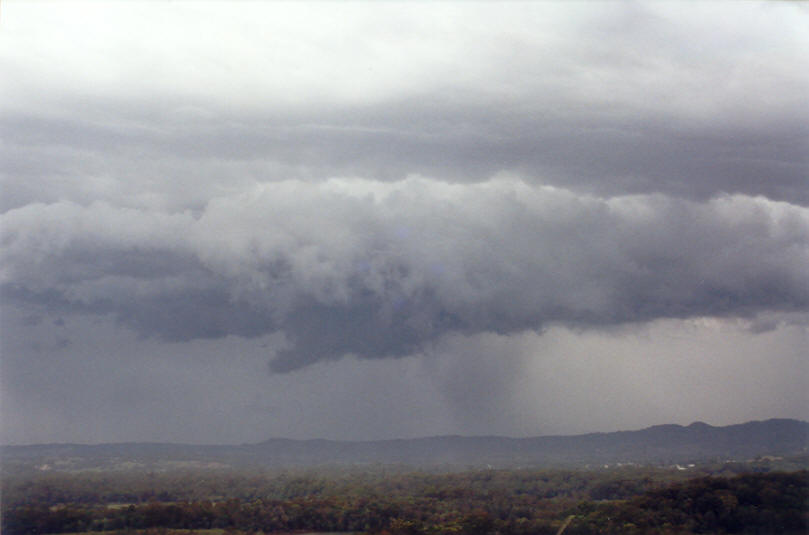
(222, 222)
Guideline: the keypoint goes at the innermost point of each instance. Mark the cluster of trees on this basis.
(379, 515)
(383, 502)
(752, 503)
(93, 488)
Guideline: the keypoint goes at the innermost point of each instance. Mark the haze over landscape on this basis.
(225, 222)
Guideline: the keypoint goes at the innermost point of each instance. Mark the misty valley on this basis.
(749, 478)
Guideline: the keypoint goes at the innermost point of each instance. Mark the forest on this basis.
(730, 498)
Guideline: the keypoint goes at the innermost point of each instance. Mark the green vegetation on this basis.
(751, 503)
(390, 501)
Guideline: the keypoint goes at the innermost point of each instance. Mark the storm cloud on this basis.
(383, 269)
(604, 99)
(425, 216)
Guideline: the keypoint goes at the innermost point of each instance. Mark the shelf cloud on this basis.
(381, 269)
(192, 190)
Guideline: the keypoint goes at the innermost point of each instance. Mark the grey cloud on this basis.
(610, 100)
(608, 150)
(385, 269)
(168, 222)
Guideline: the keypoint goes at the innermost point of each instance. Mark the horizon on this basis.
(226, 221)
(414, 438)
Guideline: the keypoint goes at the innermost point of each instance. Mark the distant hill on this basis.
(662, 444)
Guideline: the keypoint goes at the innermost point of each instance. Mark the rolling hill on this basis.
(662, 444)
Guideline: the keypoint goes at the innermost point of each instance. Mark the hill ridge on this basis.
(668, 443)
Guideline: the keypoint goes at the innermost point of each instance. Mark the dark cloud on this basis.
(381, 269)
(190, 190)
(624, 148)
(611, 100)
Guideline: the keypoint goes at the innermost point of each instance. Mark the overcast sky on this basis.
(229, 221)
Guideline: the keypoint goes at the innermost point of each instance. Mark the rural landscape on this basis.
(404, 267)
(749, 478)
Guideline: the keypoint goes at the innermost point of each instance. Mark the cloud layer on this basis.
(384, 269)
(192, 188)
(606, 99)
